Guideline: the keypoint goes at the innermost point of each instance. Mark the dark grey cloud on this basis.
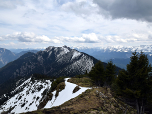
(129, 9)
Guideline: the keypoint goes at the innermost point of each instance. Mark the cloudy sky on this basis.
(91, 23)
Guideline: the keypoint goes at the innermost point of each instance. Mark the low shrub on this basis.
(76, 89)
(59, 88)
(56, 82)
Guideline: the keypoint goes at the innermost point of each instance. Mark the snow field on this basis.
(65, 94)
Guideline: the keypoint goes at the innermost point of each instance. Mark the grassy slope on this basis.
(92, 101)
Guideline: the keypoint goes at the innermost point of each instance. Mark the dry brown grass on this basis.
(83, 82)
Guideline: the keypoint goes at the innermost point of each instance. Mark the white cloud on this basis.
(30, 37)
(85, 38)
(1, 38)
(91, 38)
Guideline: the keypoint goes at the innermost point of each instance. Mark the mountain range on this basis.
(144, 48)
(119, 55)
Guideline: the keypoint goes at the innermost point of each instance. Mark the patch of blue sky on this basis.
(87, 31)
(61, 2)
(109, 34)
(56, 28)
(5, 41)
(112, 34)
(2, 24)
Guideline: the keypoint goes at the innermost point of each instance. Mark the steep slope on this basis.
(54, 61)
(34, 92)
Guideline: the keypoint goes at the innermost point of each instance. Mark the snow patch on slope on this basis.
(85, 63)
(65, 94)
(65, 49)
(76, 54)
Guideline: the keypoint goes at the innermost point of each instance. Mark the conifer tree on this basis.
(86, 73)
(97, 74)
(110, 74)
(134, 83)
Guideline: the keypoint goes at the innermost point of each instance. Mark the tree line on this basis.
(133, 85)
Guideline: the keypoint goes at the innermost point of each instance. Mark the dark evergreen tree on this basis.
(97, 74)
(134, 83)
(86, 73)
(110, 74)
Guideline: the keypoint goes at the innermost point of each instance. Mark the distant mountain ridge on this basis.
(7, 56)
(144, 48)
(114, 52)
(120, 55)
